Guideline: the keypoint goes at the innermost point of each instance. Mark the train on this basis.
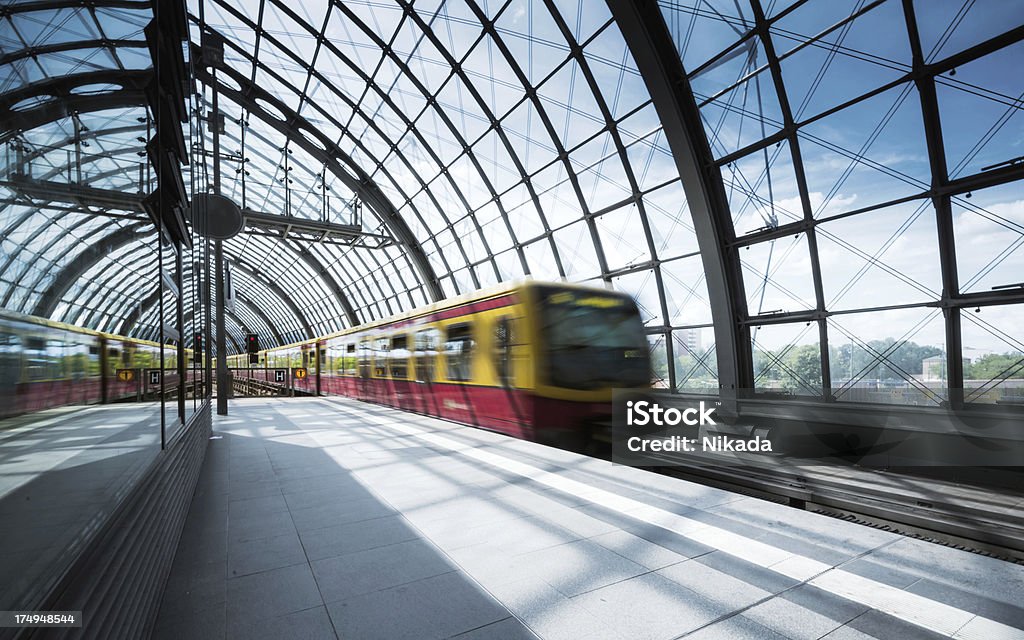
(533, 360)
(46, 364)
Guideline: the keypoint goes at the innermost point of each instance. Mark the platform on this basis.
(319, 518)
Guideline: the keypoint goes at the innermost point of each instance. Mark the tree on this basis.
(994, 365)
(857, 361)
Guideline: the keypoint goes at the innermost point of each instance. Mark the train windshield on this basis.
(593, 340)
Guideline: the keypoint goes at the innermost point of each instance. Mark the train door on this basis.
(381, 384)
(507, 361)
(425, 344)
(320, 364)
(363, 382)
(349, 369)
(10, 371)
(398, 371)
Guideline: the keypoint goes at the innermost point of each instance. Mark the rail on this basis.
(963, 515)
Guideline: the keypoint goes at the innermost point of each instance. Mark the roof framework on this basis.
(806, 198)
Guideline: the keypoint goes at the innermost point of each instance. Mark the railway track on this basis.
(971, 518)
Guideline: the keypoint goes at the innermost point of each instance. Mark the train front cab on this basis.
(584, 343)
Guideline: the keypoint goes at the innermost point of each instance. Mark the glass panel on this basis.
(529, 137)
(651, 161)
(806, 21)
(659, 360)
(623, 238)
(696, 361)
(867, 154)
(531, 34)
(48, 373)
(884, 257)
(615, 71)
(947, 28)
(894, 357)
(576, 248)
(571, 106)
(540, 260)
(742, 115)
(493, 78)
(862, 55)
(762, 190)
(777, 276)
(643, 286)
(989, 232)
(686, 293)
(583, 18)
(787, 359)
(993, 354)
(702, 29)
(994, 98)
(670, 222)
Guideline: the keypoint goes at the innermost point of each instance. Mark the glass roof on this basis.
(868, 153)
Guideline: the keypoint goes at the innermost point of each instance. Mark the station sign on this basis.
(299, 373)
(126, 375)
(154, 377)
(279, 375)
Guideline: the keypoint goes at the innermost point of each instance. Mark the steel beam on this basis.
(17, 121)
(72, 45)
(943, 210)
(45, 5)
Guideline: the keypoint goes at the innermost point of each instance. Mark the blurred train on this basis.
(533, 360)
(46, 364)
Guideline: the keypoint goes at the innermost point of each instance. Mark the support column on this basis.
(182, 370)
(222, 352)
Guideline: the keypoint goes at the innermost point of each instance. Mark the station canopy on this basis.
(797, 193)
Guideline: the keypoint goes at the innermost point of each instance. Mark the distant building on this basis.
(690, 339)
(933, 368)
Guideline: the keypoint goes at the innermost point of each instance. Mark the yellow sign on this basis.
(603, 302)
(600, 301)
(126, 375)
(299, 373)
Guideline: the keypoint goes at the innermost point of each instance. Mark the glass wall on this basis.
(95, 357)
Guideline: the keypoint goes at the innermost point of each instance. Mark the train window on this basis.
(349, 364)
(399, 360)
(426, 353)
(380, 369)
(502, 350)
(459, 350)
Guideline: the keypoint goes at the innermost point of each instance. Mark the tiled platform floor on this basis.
(328, 518)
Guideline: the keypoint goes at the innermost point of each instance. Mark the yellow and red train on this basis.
(46, 364)
(534, 360)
